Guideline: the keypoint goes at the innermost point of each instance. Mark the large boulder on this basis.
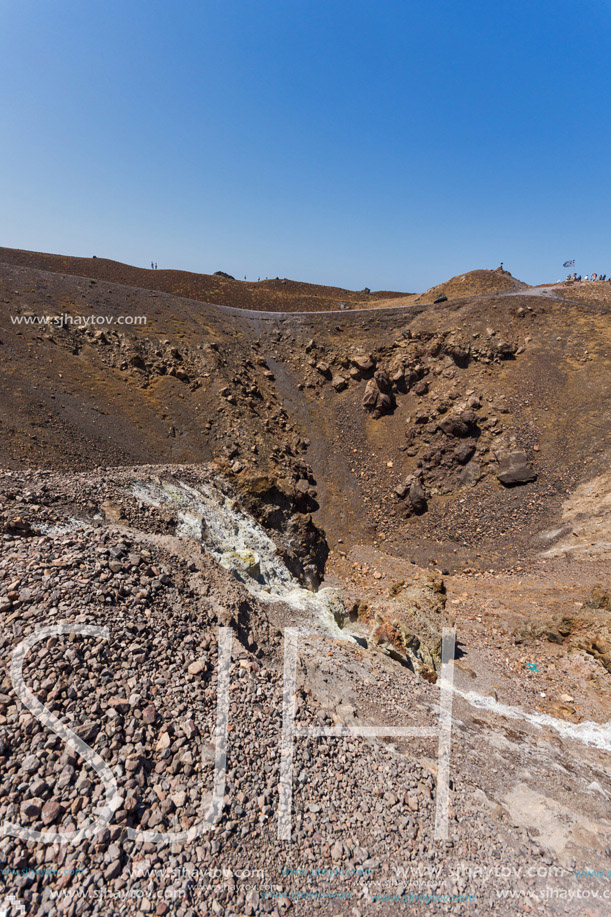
(383, 381)
(16, 525)
(463, 452)
(506, 350)
(412, 375)
(407, 625)
(454, 426)
(378, 398)
(417, 497)
(460, 425)
(370, 398)
(362, 362)
(414, 494)
(470, 474)
(460, 353)
(514, 468)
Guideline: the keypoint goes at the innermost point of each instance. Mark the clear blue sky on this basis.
(388, 144)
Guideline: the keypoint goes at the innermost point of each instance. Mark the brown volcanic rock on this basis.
(417, 496)
(362, 362)
(588, 630)
(161, 651)
(285, 511)
(408, 624)
(311, 466)
(378, 398)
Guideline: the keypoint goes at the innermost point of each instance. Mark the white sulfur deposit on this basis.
(240, 544)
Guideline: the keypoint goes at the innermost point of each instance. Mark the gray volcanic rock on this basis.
(417, 497)
(463, 452)
(455, 426)
(514, 468)
(470, 474)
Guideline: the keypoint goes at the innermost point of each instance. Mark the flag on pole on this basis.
(568, 263)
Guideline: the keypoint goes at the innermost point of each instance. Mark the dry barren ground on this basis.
(366, 477)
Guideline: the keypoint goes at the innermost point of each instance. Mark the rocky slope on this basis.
(390, 424)
(528, 808)
(367, 478)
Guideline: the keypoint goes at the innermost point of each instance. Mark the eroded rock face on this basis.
(408, 625)
(285, 511)
(514, 468)
(588, 630)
